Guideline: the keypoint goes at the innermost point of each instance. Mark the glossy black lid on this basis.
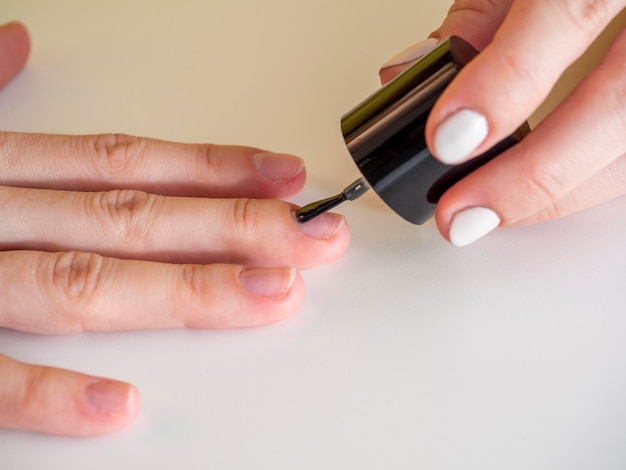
(385, 135)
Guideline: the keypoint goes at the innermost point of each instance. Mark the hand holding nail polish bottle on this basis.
(385, 135)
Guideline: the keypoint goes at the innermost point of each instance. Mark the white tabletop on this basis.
(407, 353)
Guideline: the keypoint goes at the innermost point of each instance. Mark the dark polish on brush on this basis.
(350, 193)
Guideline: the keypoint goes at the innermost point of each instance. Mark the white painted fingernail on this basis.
(472, 224)
(412, 53)
(459, 135)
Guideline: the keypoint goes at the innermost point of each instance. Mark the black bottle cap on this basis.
(385, 135)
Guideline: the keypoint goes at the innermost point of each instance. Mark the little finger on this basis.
(58, 401)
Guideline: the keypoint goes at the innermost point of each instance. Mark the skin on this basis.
(576, 157)
(89, 221)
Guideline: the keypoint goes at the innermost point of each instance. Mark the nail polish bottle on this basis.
(385, 136)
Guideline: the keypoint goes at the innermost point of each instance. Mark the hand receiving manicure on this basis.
(574, 159)
(113, 232)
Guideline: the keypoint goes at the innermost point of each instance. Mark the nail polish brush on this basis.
(351, 192)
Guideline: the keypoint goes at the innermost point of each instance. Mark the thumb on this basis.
(58, 401)
(476, 21)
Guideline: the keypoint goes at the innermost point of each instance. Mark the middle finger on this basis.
(136, 225)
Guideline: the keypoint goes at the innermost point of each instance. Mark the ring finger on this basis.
(57, 293)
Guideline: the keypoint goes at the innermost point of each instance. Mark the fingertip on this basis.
(273, 293)
(472, 224)
(274, 283)
(456, 138)
(386, 74)
(288, 304)
(291, 301)
(442, 221)
(469, 225)
(18, 31)
(323, 227)
(280, 174)
(326, 237)
(14, 50)
(110, 406)
(404, 59)
(278, 167)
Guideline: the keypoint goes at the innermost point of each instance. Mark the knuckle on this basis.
(6, 145)
(195, 291)
(194, 286)
(549, 212)
(545, 186)
(246, 215)
(193, 280)
(587, 15)
(10, 156)
(32, 395)
(520, 74)
(117, 154)
(75, 274)
(73, 279)
(208, 161)
(126, 214)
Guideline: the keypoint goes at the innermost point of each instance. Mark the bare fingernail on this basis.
(277, 167)
(458, 136)
(412, 53)
(472, 224)
(268, 282)
(323, 226)
(110, 397)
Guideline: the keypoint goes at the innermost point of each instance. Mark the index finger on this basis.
(494, 94)
(118, 161)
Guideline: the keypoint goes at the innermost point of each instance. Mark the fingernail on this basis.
(472, 224)
(278, 168)
(268, 282)
(109, 397)
(459, 135)
(413, 53)
(323, 226)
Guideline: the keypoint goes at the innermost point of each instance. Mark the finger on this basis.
(117, 161)
(496, 92)
(14, 50)
(58, 401)
(57, 293)
(134, 224)
(604, 186)
(403, 60)
(582, 137)
(476, 21)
